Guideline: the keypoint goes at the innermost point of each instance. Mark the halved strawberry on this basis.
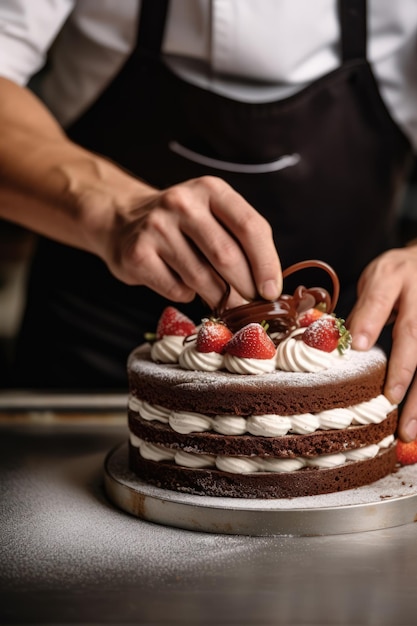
(213, 336)
(251, 342)
(308, 317)
(173, 322)
(407, 452)
(327, 333)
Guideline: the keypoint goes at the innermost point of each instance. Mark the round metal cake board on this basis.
(391, 501)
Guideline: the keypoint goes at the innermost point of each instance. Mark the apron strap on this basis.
(151, 26)
(352, 15)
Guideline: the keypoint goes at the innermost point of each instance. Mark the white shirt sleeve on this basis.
(27, 29)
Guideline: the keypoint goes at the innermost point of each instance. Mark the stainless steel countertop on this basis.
(68, 556)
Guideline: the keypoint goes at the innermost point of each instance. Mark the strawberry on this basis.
(407, 452)
(308, 317)
(327, 333)
(173, 322)
(251, 342)
(213, 336)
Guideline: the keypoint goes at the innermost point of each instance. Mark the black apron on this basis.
(325, 166)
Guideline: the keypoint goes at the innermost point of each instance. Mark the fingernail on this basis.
(269, 290)
(360, 342)
(410, 430)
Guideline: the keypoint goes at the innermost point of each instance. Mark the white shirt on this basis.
(250, 50)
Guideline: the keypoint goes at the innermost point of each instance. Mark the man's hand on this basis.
(186, 240)
(192, 239)
(387, 288)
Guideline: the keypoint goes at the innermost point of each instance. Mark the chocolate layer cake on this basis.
(266, 400)
(175, 417)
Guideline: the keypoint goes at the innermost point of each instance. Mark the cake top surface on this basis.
(355, 365)
(295, 341)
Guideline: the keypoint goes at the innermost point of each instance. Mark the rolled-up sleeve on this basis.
(27, 30)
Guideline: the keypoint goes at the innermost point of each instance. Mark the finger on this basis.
(159, 277)
(403, 359)
(164, 237)
(377, 297)
(224, 254)
(193, 269)
(138, 262)
(234, 237)
(407, 427)
(185, 209)
(254, 234)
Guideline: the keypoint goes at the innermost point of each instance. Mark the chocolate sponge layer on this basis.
(304, 482)
(360, 379)
(288, 446)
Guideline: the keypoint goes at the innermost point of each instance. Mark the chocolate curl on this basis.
(281, 314)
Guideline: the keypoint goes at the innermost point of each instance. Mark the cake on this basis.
(267, 400)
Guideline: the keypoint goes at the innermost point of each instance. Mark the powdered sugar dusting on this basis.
(355, 364)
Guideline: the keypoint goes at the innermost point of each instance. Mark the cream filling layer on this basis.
(185, 422)
(251, 465)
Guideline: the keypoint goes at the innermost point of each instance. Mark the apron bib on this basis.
(324, 166)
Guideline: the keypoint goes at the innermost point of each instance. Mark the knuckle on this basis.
(405, 373)
(225, 255)
(177, 199)
(252, 224)
(391, 262)
(213, 183)
(136, 256)
(411, 328)
(179, 293)
(133, 267)
(406, 327)
(155, 221)
(195, 274)
(379, 300)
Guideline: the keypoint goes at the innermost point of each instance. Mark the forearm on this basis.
(52, 186)
(190, 238)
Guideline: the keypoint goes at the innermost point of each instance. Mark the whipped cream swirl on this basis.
(167, 349)
(191, 359)
(241, 365)
(293, 355)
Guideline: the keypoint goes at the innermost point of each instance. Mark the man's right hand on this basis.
(189, 239)
(192, 239)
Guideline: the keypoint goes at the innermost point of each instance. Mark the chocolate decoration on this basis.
(282, 313)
